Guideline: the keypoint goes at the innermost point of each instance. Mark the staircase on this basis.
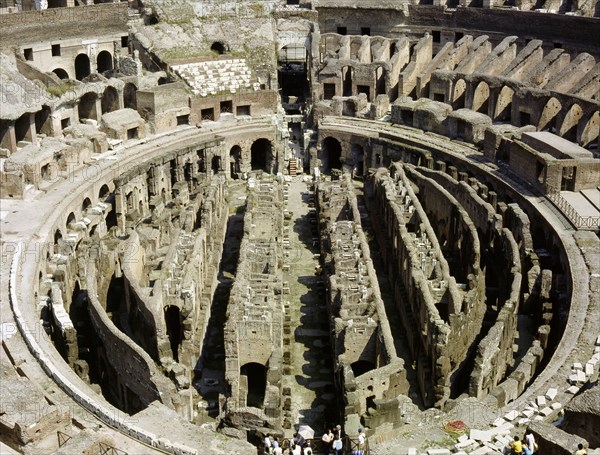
(293, 168)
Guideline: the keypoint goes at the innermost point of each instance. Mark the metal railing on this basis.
(580, 222)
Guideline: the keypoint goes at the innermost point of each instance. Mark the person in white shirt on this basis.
(268, 443)
(308, 449)
(360, 449)
(327, 440)
(529, 446)
(297, 450)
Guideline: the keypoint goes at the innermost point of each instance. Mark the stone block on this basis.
(551, 394)
(556, 405)
(577, 366)
(581, 376)
(481, 435)
(528, 413)
(499, 421)
(546, 411)
(512, 415)
(589, 369)
(523, 421)
(438, 452)
(573, 389)
(541, 401)
(463, 438)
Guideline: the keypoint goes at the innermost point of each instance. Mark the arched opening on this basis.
(218, 48)
(332, 154)
(215, 164)
(23, 128)
(568, 128)
(357, 157)
(361, 367)
(458, 95)
(87, 107)
(547, 119)
(590, 130)
(292, 75)
(57, 238)
(504, 105)
(379, 81)
(61, 73)
(481, 98)
(42, 121)
(110, 100)
(130, 96)
(70, 220)
(347, 81)
(261, 155)
(104, 193)
(104, 62)
(235, 158)
(85, 205)
(256, 377)
(82, 66)
(174, 332)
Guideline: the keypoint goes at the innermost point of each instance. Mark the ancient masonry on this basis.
(221, 221)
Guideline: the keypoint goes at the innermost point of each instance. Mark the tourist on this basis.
(268, 445)
(275, 443)
(327, 441)
(580, 450)
(308, 449)
(529, 444)
(360, 445)
(297, 450)
(278, 451)
(337, 445)
(517, 446)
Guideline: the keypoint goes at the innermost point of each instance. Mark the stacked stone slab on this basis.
(214, 76)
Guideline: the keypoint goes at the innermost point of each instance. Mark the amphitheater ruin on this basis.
(227, 220)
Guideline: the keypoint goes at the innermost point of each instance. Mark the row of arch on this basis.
(83, 68)
(565, 120)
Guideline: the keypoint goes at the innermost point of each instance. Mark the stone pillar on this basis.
(8, 138)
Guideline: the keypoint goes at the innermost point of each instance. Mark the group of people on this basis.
(525, 446)
(297, 446)
(333, 442)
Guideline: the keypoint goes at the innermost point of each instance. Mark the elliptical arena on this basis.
(227, 219)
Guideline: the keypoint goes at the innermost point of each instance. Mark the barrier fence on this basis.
(580, 222)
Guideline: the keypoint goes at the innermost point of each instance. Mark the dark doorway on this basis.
(235, 157)
(257, 383)
(87, 107)
(361, 367)
(104, 62)
(332, 153)
(218, 48)
(260, 155)
(130, 96)
(82, 66)
(173, 322)
(110, 100)
(61, 73)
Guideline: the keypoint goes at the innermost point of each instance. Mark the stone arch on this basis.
(502, 112)
(130, 96)
(331, 153)
(481, 98)
(70, 219)
(85, 205)
(347, 81)
(357, 160)
(549, 113)
(458, 94)
(61, 73)
(261, 155)
(110, 100)
(256, 375)
(235, 159)
(218, 47)
(589, 131)
(568, 127)
(104, 62)
(43, 123)
(87, 106)
(82, 66)
(104, 193)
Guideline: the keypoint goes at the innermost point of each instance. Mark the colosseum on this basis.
(230, 223)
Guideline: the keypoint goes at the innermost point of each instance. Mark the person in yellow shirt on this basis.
(517, 446)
